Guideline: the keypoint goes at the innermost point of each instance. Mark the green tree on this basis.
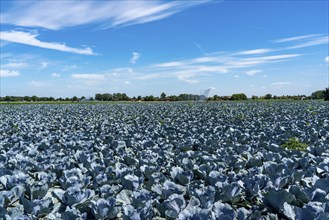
(239, 96)
(34, 98)
(173, 98)
(27, 98)
(7, 98)
(108, 97)
(74, 99)
(99, 97)
(163, 96)
(326, 94)
(149, 98)
(268, 96)
(216, 98)
(318, 94)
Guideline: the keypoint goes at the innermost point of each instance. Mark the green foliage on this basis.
(240, 96)
(318, 94)
(268, 96)
(326, 94)
(216, 98)
(294, 144)
(163, 96)
(112, 97)
(150, 98)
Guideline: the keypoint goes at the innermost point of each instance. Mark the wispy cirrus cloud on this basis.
(189, 70)
(38, 84)
(44, 65)
(188, 77)
(14, 65)
(88, 76)
(223, 63)
(55, 75)
(311, 42)
(56, 15)
(135, 57)
(28, 38)
(281, 83)
(256, 51)
(69, 67)
(200, 48)
(296, 38)
(8, 73)
(253, 72)
(304, 41)
(96, 80)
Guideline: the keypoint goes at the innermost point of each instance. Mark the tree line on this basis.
(162, 97)
(320, 94)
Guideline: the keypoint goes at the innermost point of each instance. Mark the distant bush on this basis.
(268, 96)
(326, 94)
(294, 144)
(318, 94)
(240, 96)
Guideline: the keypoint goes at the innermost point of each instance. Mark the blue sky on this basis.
(67, 48)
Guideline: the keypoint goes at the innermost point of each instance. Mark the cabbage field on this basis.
(216, 160)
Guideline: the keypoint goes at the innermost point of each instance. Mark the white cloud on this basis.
(214, 69)
(8, 73)
(14, 65)
(235, 62)
(127, 82)
(326, 59)
(254, 52)
(44, 65)
(56, 15)
(187, 77)
(200, 48)
(253, 72)
(217, 63)
(311, 42)
(88, 76)
(236, 76)
(122, 70)
(135, 57)
(297, 38)
(31, 39)
(280, 83)
(38, 84)
(151, 76)
(223, 63)
(169, 64)
(56, 75)
(273, 58)
(70, 67)
(265, 76)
